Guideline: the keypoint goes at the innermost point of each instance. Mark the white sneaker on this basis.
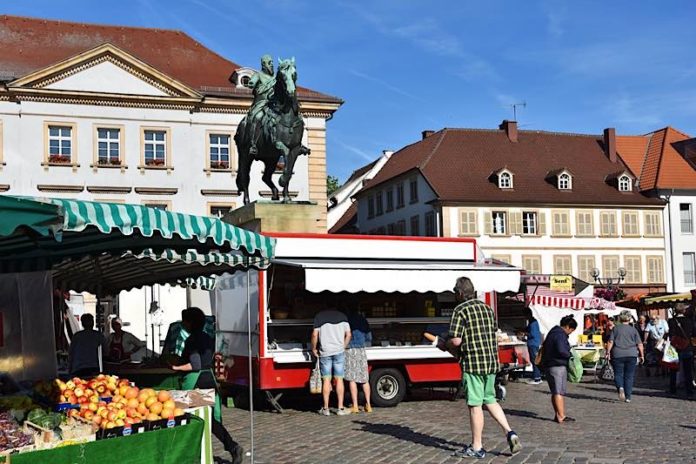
(342, 412)
(622, 395)
(324, 412)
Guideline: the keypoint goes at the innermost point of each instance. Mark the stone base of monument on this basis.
(272, 216)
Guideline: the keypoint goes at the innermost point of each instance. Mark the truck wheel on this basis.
(388, 387)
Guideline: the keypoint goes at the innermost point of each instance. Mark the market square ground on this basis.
(654, 428)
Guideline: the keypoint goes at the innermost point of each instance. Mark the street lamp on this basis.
(609, 282)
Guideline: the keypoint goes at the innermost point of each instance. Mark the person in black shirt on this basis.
(681, 330)
(198, 358)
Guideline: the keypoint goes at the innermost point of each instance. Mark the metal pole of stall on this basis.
(250, 359)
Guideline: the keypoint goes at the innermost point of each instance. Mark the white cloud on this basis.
(355, 150)
(386, 85)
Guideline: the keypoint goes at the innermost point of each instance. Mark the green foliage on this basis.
(332, 185)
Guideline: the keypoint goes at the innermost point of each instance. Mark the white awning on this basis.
(402, 277)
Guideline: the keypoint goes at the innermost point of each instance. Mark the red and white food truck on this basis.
(403, 285)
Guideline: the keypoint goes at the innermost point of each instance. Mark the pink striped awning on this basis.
(544, 296)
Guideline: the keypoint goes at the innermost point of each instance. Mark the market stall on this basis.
(104, 248)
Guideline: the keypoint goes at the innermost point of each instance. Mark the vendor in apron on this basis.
(198, 359)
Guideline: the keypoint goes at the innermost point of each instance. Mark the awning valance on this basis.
(84, 228)
(402, 277)
(672, 298)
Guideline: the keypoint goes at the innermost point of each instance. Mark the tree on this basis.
(332, 185)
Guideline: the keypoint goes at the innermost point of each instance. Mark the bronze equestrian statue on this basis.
(272, 127)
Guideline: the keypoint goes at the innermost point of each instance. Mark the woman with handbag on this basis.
(623, 348)
(681, 333)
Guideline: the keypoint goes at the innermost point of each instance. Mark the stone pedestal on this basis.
(266, 216)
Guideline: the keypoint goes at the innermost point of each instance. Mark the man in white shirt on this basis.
(121, 344)
(330, 338)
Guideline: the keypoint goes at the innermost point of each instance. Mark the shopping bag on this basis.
(315, 379)
(606, 372)
(539, 358)
(660, 344)
(670, 354)
(575, 369)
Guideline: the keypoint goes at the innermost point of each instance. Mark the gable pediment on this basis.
(106, 70)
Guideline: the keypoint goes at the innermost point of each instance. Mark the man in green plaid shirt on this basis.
(473, 340)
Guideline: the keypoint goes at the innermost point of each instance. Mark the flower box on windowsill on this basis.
(59, 159)
(222, 165)
(156, 163)
(113, 162)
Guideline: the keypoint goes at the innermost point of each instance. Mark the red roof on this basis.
(459, 164)
(658, 159)
(30, 44)
(346, 224)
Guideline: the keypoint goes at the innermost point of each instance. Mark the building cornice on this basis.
(461, 204)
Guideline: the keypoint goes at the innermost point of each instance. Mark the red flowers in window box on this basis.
(62, 159)
(154, 162)
(109, 162)
(219, 165)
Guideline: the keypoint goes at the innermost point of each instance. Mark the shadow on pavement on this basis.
(531, 415)
(692, 427)
(408, 434)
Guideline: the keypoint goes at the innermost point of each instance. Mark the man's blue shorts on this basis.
(334, 363)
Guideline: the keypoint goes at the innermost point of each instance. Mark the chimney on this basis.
(427, 133)
(610, 144)
(510, 128)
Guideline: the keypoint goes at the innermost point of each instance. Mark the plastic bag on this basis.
(315, 379)
(575, 369)
(670, 354)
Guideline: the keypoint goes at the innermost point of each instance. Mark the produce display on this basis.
(11, 434)
(88, 409)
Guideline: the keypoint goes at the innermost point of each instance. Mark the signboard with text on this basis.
(561, 283)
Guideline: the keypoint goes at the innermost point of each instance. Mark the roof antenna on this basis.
(514, 109)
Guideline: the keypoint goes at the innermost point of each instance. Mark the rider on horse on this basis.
(262, 84)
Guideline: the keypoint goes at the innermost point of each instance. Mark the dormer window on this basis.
(625, 184)
(505, 179)
(565, 182)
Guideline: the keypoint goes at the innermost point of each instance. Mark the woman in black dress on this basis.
(198, 358)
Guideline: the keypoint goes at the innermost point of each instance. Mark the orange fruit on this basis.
(163, 395)
(132, 392)
(169, 404)
(178, 412)
(156, 407)
(150, 401)
(133, 403)
(142, 409)
(143, 396)
(152, 417)
(167, 413)
(148, 392)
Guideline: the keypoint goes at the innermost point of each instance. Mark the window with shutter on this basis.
(380, 206)
(610, 267)
(515, 223)
(488, 222)
(655, 269)
(529, 223)
(504, 258)
(633, 265)
(499, 224)
(630, 224)
(585, 265)
(542, 222)
(468, 222)
(584, 223)
(562, 265)
(607, 224)
(653, 227)
(532, 263)
(561, 223)
(370, 207)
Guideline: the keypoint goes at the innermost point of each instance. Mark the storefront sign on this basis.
(561, 283)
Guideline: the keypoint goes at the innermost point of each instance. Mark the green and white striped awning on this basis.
(106, 247)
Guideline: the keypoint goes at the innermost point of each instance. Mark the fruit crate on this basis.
(122, 431)
(169, 423)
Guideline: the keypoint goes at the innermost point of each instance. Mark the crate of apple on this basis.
(128, 407)
(80, 391)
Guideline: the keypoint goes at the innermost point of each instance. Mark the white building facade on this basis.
(104, 125)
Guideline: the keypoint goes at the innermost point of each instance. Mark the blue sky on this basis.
(404, 66)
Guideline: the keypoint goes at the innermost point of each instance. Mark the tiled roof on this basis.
(662, 165)
(458, 164)
(347, 222)
(30, 44)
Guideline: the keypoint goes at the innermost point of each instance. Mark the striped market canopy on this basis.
(105, 247)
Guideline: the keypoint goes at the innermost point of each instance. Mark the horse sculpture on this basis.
(280, 134)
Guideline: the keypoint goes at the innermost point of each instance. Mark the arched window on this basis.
(565, 182)
(245, 80)
(624, 184)
(505, 180)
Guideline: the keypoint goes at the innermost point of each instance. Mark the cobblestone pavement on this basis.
(654, 428)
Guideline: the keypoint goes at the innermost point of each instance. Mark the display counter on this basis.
(176, 445)
(160, 378)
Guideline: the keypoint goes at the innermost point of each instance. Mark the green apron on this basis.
(191, 380)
